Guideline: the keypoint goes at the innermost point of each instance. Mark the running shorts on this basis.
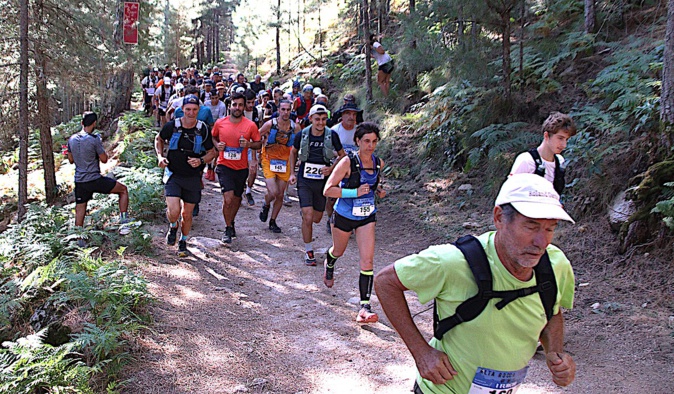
(269, 174)
(311, 194)
(387, 67)
(187, 189)
(84, 191)
(347, 225)
(232, 180)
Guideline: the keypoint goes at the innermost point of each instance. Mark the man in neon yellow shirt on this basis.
(488, 354)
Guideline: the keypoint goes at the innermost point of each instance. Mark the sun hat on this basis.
(532, 196)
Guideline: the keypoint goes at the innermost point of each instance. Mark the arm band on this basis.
(349, 193)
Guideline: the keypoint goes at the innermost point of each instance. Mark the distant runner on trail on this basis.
(302, 105)
(277, 137)
(486, 331)
(233, 136)
(85, 149)
(385, 63)
(314, 147)
(190, 148)
(355, 181)
(546, 160)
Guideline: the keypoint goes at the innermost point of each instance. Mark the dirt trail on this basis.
(253, 318)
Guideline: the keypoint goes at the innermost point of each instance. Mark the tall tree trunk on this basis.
(299, 35)
(23, 110)
(590, 17)
(522, 16)
(44, 122)
(460, 26)
(506, 54)
(116, 92)
(278, 39)
(368, 49)
(217, 36)
(667, 98)
(413, 5)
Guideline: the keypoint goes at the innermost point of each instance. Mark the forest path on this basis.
(252, 318)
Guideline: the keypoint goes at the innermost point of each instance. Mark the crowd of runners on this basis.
(226, 129)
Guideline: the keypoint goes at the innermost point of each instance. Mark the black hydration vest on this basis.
(558, 182)
(546, 287)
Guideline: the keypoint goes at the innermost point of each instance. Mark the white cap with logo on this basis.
(532, 196)
(318, 109)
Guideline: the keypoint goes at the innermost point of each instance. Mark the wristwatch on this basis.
(202, 160)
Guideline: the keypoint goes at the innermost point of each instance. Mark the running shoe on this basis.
(127, 224)
(227, 238)
(265, 213)
(309, 259)
(365, 315)
(195, 212)
(249, 199)
(328, 274)
(171, 235)
(274, 227)
(182, 248)
(287, 201)
(210, 175)
(233, 229)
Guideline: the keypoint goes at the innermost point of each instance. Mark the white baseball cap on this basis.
(318, 109)
(532, 196)
(317, 91)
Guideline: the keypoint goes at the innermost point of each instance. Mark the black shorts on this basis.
(187, 189)
(232, 180)
(387, 67)
(416, 389)
(84, 191)
(161, 112)
(310, 194)
(348, 225)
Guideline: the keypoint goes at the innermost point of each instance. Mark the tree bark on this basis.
(413, 5)
(23, 110)
(667, 97)
(278, 39)
(44, 122)
(368, 49)
(590, 17)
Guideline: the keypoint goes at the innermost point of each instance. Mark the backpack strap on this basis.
(559, 182)
(471, 308)
(540, 167)
(303, 153)
(328, 147)
(546, 287)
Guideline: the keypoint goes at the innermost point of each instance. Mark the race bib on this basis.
(363, 207)
(231, 153)
(279, 166)
(313, 171)
(149, 91)
(489, 381)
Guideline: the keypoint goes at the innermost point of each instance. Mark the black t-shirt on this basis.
(256, 87)
(178, 158)
(316, 148)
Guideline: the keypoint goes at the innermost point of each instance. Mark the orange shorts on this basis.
(271, 168)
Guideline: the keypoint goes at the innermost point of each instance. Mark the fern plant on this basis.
(666, 208)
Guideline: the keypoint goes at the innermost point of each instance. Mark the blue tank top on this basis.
(359, 208)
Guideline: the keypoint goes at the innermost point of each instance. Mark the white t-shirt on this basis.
(380, 58)
(346, 137)
(525, 164)
(219, 111)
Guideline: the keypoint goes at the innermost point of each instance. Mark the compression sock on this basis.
(331, 260)
(173, 225)
(308, 247)
(183, 237)
(248, 191)
(123, 215)
(365, 285)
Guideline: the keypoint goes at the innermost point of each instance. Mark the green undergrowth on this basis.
(67, 314)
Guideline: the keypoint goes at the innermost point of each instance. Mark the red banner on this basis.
(131, 23)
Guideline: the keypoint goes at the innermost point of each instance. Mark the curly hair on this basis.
(558, 121)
